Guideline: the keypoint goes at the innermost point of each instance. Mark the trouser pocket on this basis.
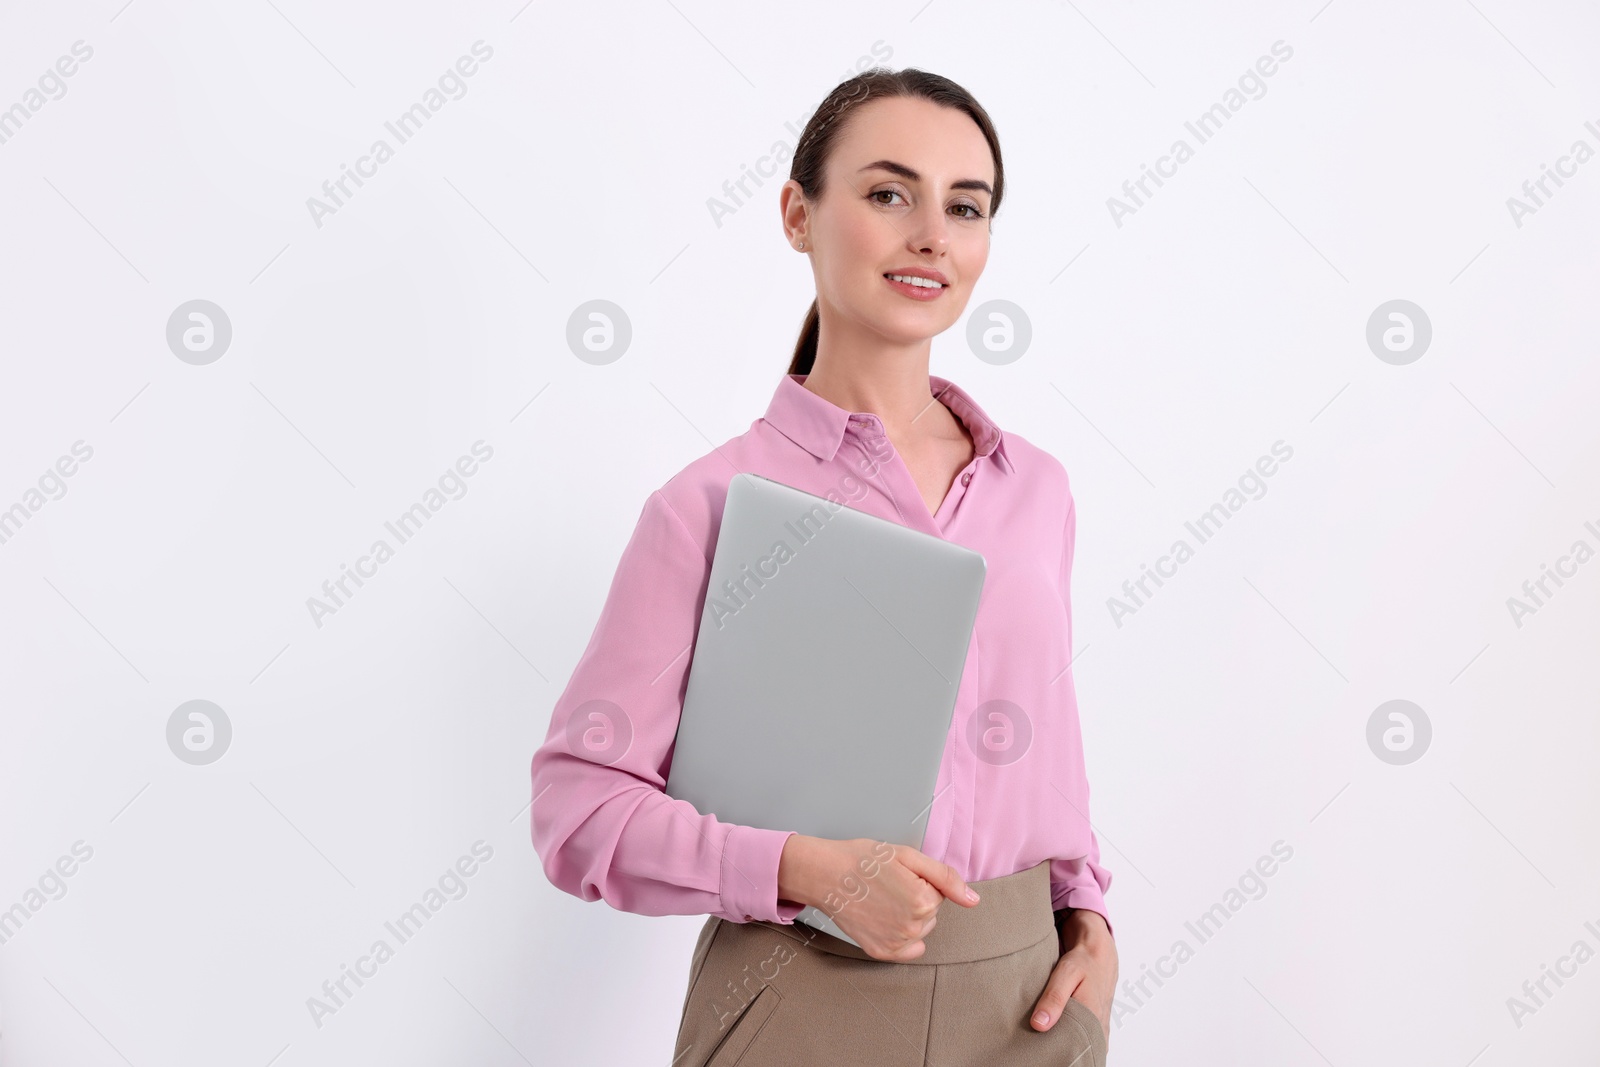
(730, 993)
(745, 1029)
(1094, 1037)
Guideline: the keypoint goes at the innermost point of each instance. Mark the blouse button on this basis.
(966, 479)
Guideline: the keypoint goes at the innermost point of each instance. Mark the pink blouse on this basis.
(1012, 789)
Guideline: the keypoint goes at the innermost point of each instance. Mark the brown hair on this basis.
(822, 130)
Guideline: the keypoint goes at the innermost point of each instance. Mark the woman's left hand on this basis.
(1087, 970)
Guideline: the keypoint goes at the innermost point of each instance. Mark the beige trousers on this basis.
(765, 994)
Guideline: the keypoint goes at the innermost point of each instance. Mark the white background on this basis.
(430, 311)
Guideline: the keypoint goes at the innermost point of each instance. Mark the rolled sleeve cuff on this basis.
(750, 857)
(1086, 897)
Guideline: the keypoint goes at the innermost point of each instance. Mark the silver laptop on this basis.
(825, 671)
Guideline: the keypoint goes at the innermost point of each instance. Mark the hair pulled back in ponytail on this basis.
(822, 131)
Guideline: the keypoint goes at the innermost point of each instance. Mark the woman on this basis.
(892, 187)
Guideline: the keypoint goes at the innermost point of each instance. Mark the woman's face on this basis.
(907, 188)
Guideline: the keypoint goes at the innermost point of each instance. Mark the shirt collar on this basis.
(818, 425)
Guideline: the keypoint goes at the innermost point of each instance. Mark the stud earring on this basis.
(802, 245)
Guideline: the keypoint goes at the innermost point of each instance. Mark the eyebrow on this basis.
(910, 175)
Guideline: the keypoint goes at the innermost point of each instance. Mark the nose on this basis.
(931, 232)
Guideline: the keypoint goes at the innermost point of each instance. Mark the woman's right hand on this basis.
(884, 896)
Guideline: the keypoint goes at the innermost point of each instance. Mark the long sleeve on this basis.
(602, 826)
(1078, 881)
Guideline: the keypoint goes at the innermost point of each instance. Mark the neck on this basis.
(891, 384)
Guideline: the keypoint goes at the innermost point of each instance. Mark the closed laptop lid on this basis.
(825, 671)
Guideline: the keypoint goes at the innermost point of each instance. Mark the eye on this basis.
(974, 212)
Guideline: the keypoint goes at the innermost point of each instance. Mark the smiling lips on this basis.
(918, 286)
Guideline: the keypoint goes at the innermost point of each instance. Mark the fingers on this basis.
(1053, 1001)
(941, 876)
(912, 944)
(909, 952)
(918, 904)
